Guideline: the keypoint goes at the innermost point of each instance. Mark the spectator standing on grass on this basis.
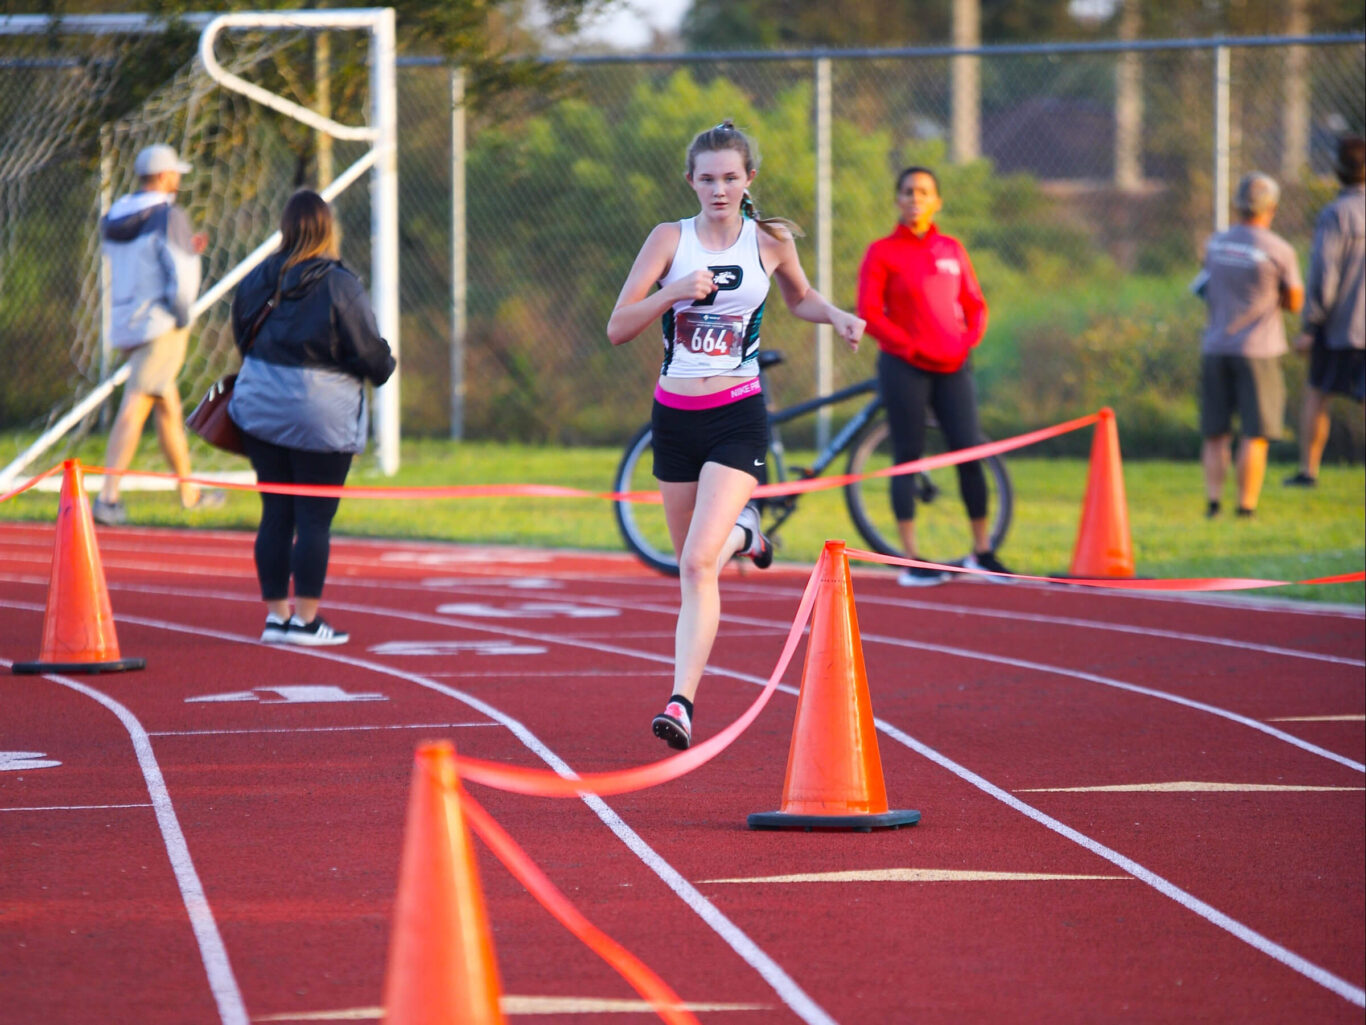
(1250, 274)
(309, 342)
(919, 294)
(709, 420)
(153, 280)
(1334, 333)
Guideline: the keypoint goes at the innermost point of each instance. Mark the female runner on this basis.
(710, 425)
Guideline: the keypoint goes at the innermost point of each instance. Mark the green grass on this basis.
(1296, 534)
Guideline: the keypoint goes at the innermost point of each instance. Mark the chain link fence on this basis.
(1083, 181)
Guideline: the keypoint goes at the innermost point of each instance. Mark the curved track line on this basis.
(1176, 635)
(733, 619)
(783, 985)
(963, 610)
(1343, 988)
(231, 1009)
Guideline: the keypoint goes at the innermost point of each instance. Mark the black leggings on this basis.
(295, 534)
(906, 391)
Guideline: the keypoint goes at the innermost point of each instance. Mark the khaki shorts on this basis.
(156, 364)
(1252, 387)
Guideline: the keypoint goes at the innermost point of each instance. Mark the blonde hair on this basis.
(726, 136)
(308, 229)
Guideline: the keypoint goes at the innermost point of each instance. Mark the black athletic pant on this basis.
(907, 392)
(295, 534)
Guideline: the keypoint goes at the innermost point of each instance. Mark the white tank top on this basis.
(718, 335)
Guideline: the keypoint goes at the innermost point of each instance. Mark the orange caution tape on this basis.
(661, 997)
(33, 482)
(794, 487)
(962, 455)
(544, 783)
(1196, 584)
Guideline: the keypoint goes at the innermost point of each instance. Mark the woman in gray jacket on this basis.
(309, 342)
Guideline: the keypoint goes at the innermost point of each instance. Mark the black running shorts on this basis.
(1338, 371)
(734, 435)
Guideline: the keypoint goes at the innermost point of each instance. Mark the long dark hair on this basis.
(307, 229)
(726, 136)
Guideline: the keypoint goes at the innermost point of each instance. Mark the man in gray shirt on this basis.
(1334, 332)
(1250, 275)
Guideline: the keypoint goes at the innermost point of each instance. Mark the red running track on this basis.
(1135, 809)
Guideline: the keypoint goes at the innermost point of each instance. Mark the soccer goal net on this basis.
(260, 104)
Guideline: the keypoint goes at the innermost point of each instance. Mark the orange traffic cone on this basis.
(834, 773)
(441, 965)
(78, 628)
(1103, 548)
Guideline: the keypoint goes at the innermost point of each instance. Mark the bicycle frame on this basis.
(785, 506)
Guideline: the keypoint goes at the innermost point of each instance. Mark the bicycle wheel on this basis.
(642, 524)
(941, 527)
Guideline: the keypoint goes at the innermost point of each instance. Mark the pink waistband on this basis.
(718, 398)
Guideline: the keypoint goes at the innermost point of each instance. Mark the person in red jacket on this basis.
(920, 298)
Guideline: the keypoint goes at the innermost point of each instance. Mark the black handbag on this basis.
(210, 419)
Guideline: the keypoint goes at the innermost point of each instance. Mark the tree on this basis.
(488, 38)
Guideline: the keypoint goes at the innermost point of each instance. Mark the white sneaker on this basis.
(760, 548)
(316, 634)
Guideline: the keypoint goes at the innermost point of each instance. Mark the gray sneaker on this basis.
(110, 514)
(921, 576)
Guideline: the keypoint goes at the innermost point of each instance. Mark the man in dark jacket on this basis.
(153, 280)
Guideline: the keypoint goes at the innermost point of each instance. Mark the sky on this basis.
(628, 26)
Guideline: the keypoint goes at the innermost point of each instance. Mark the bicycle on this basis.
(867, 439)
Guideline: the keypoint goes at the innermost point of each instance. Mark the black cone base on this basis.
(118, 665)
(857, 823)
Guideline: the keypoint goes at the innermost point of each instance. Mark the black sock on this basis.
(687, 705)
(744, 550)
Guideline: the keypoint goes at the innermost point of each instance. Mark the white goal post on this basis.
(379, 158)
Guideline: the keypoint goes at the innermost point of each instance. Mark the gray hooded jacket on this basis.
(153, 269)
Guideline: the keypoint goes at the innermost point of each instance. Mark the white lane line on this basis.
(1141, 631)
(1027, 617)
(319, 729)
(912, 875)
(223, 984)
(1042, 667)
(1185, 787)
(1347, 990)
(732, 618)
(76, 807)
(783, 985)
(1318, 718)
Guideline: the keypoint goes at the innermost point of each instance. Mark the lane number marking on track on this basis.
(497, 647)
(292, 694)
(527, 610)
(18, 761)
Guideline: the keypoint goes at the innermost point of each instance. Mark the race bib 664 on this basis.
(709, 334)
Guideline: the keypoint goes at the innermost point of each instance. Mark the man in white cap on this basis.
(1250, 275)
(153, 280)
